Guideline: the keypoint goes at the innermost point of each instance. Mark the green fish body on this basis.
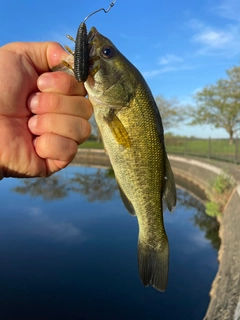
(132, 132)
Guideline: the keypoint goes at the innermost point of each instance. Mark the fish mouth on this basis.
(92, 48)
(92, 34)
(91, 40)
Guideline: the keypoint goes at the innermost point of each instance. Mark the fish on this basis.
(131, 128)
(132, 131)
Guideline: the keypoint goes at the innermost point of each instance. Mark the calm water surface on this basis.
(68, 250)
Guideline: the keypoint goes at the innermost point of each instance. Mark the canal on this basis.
(68, 250)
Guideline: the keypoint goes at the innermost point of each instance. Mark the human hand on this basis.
(43, 115)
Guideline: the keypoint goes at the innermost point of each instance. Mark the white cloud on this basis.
(223, 41)
(214, 39)
(155, 72)
(200, 240)
(41, 224)
(169, 58)
(229, 9)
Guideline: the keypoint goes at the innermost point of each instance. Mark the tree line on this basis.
(217, 105)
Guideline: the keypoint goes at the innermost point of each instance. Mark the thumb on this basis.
(43, 55)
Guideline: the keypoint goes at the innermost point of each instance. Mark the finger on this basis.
(55, 147)
(60, 82)
(43, 55)
(75, 128)
(40, 103)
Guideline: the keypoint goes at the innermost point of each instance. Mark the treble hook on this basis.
(102, 9)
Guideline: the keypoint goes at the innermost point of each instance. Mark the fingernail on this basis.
(32, 123)
(44, 82)
(33, 102)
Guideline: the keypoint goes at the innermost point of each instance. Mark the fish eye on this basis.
(108, 52)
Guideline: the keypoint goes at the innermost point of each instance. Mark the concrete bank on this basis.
(225, 291)
(92, 157)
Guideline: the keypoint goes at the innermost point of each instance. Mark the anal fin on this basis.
(169, 192)
(127, 203)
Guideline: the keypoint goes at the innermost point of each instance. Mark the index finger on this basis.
(46, 56)
(60, 82)
(42, 55)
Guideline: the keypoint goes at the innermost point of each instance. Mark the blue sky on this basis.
(179, 46)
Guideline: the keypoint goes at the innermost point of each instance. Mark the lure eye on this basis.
(108, 52)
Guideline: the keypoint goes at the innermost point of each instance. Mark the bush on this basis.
(212, 209)
(219, 194)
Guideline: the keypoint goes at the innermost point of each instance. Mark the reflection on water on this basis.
(69, 251)
(207, 224)
(95, 184)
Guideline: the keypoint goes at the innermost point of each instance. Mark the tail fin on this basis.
(153, 264)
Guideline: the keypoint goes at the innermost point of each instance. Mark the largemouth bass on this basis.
(132, 132)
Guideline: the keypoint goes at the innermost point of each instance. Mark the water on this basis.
(68, 250)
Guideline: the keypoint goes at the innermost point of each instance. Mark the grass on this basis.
(208, 148)
(90, 144)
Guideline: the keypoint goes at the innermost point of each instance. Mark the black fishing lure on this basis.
(81, 54)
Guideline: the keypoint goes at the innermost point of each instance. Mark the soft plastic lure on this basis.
(81, 56)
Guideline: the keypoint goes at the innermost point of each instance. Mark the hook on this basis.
(106, 11)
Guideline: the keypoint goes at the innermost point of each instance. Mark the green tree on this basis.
(219, 105)
(171, 111)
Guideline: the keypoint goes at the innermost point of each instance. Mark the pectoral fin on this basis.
(169, 193)
(118, 130)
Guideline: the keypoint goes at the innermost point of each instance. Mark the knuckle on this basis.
(85, 131)
(86, 109)
(68, 83)
(45, 123)
(54, 102)
(89, 109)
(49, 102)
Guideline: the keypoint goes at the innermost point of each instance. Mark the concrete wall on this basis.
(92, 157)
(225, 291)
(199, 172)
